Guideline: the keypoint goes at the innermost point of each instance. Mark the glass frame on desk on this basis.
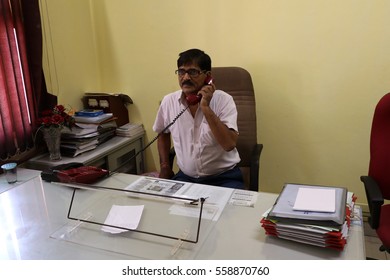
(161, 233)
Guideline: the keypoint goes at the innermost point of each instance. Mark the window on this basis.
(21, 78)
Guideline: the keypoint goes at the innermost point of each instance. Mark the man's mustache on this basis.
(187, 83)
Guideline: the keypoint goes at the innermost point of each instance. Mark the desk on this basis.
(109, 155)
(32, 211)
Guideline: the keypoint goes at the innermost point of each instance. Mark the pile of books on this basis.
(130, 130)
(315, 215)
(92, 128)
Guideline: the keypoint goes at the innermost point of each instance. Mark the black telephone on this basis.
(193, 99)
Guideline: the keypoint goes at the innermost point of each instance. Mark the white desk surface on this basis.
(32, 210)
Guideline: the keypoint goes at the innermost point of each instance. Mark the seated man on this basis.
(205, 135)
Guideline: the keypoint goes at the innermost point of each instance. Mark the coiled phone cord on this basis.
(150, 143)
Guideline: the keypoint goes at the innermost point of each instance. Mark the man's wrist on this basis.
(165, 164)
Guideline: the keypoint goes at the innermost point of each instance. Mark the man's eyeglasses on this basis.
(193, 73)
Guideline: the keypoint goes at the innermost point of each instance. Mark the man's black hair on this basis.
(195, 56)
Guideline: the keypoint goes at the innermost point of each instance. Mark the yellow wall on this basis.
(319, 67)
(70, 55)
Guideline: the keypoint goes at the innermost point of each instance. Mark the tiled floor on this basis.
(373, 244)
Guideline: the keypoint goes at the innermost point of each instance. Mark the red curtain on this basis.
(21, 76)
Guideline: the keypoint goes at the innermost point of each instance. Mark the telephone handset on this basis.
(193, 99)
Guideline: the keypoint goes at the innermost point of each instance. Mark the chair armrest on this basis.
(254, 168)
(374, 198)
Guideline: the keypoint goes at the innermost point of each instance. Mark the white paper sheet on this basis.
(316, 199)
(243, 198)
(123, 216)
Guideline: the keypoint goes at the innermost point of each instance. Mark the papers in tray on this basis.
(323, 229)
(130, 130)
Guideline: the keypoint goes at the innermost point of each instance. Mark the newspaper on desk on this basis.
(216, 197)
(158, 186)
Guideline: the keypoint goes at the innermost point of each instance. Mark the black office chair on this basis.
(377, 183)
(238, 83)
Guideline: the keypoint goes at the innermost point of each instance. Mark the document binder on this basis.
(333, 238)
(283, 207)
(322, 229)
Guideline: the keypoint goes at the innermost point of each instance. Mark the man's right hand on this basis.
(166, 173)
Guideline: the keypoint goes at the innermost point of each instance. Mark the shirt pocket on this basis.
(206, 136)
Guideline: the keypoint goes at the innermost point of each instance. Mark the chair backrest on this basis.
(379, 168)
(238, 83)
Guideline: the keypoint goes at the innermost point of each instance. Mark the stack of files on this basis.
(315, 215)
(73, 149)
(110, 122)
(130, 130)
(86, 136)
(78, 140)
(106, 134)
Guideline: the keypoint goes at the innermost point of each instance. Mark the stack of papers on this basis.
(84, 137)
(130, 130)
(315, 215)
